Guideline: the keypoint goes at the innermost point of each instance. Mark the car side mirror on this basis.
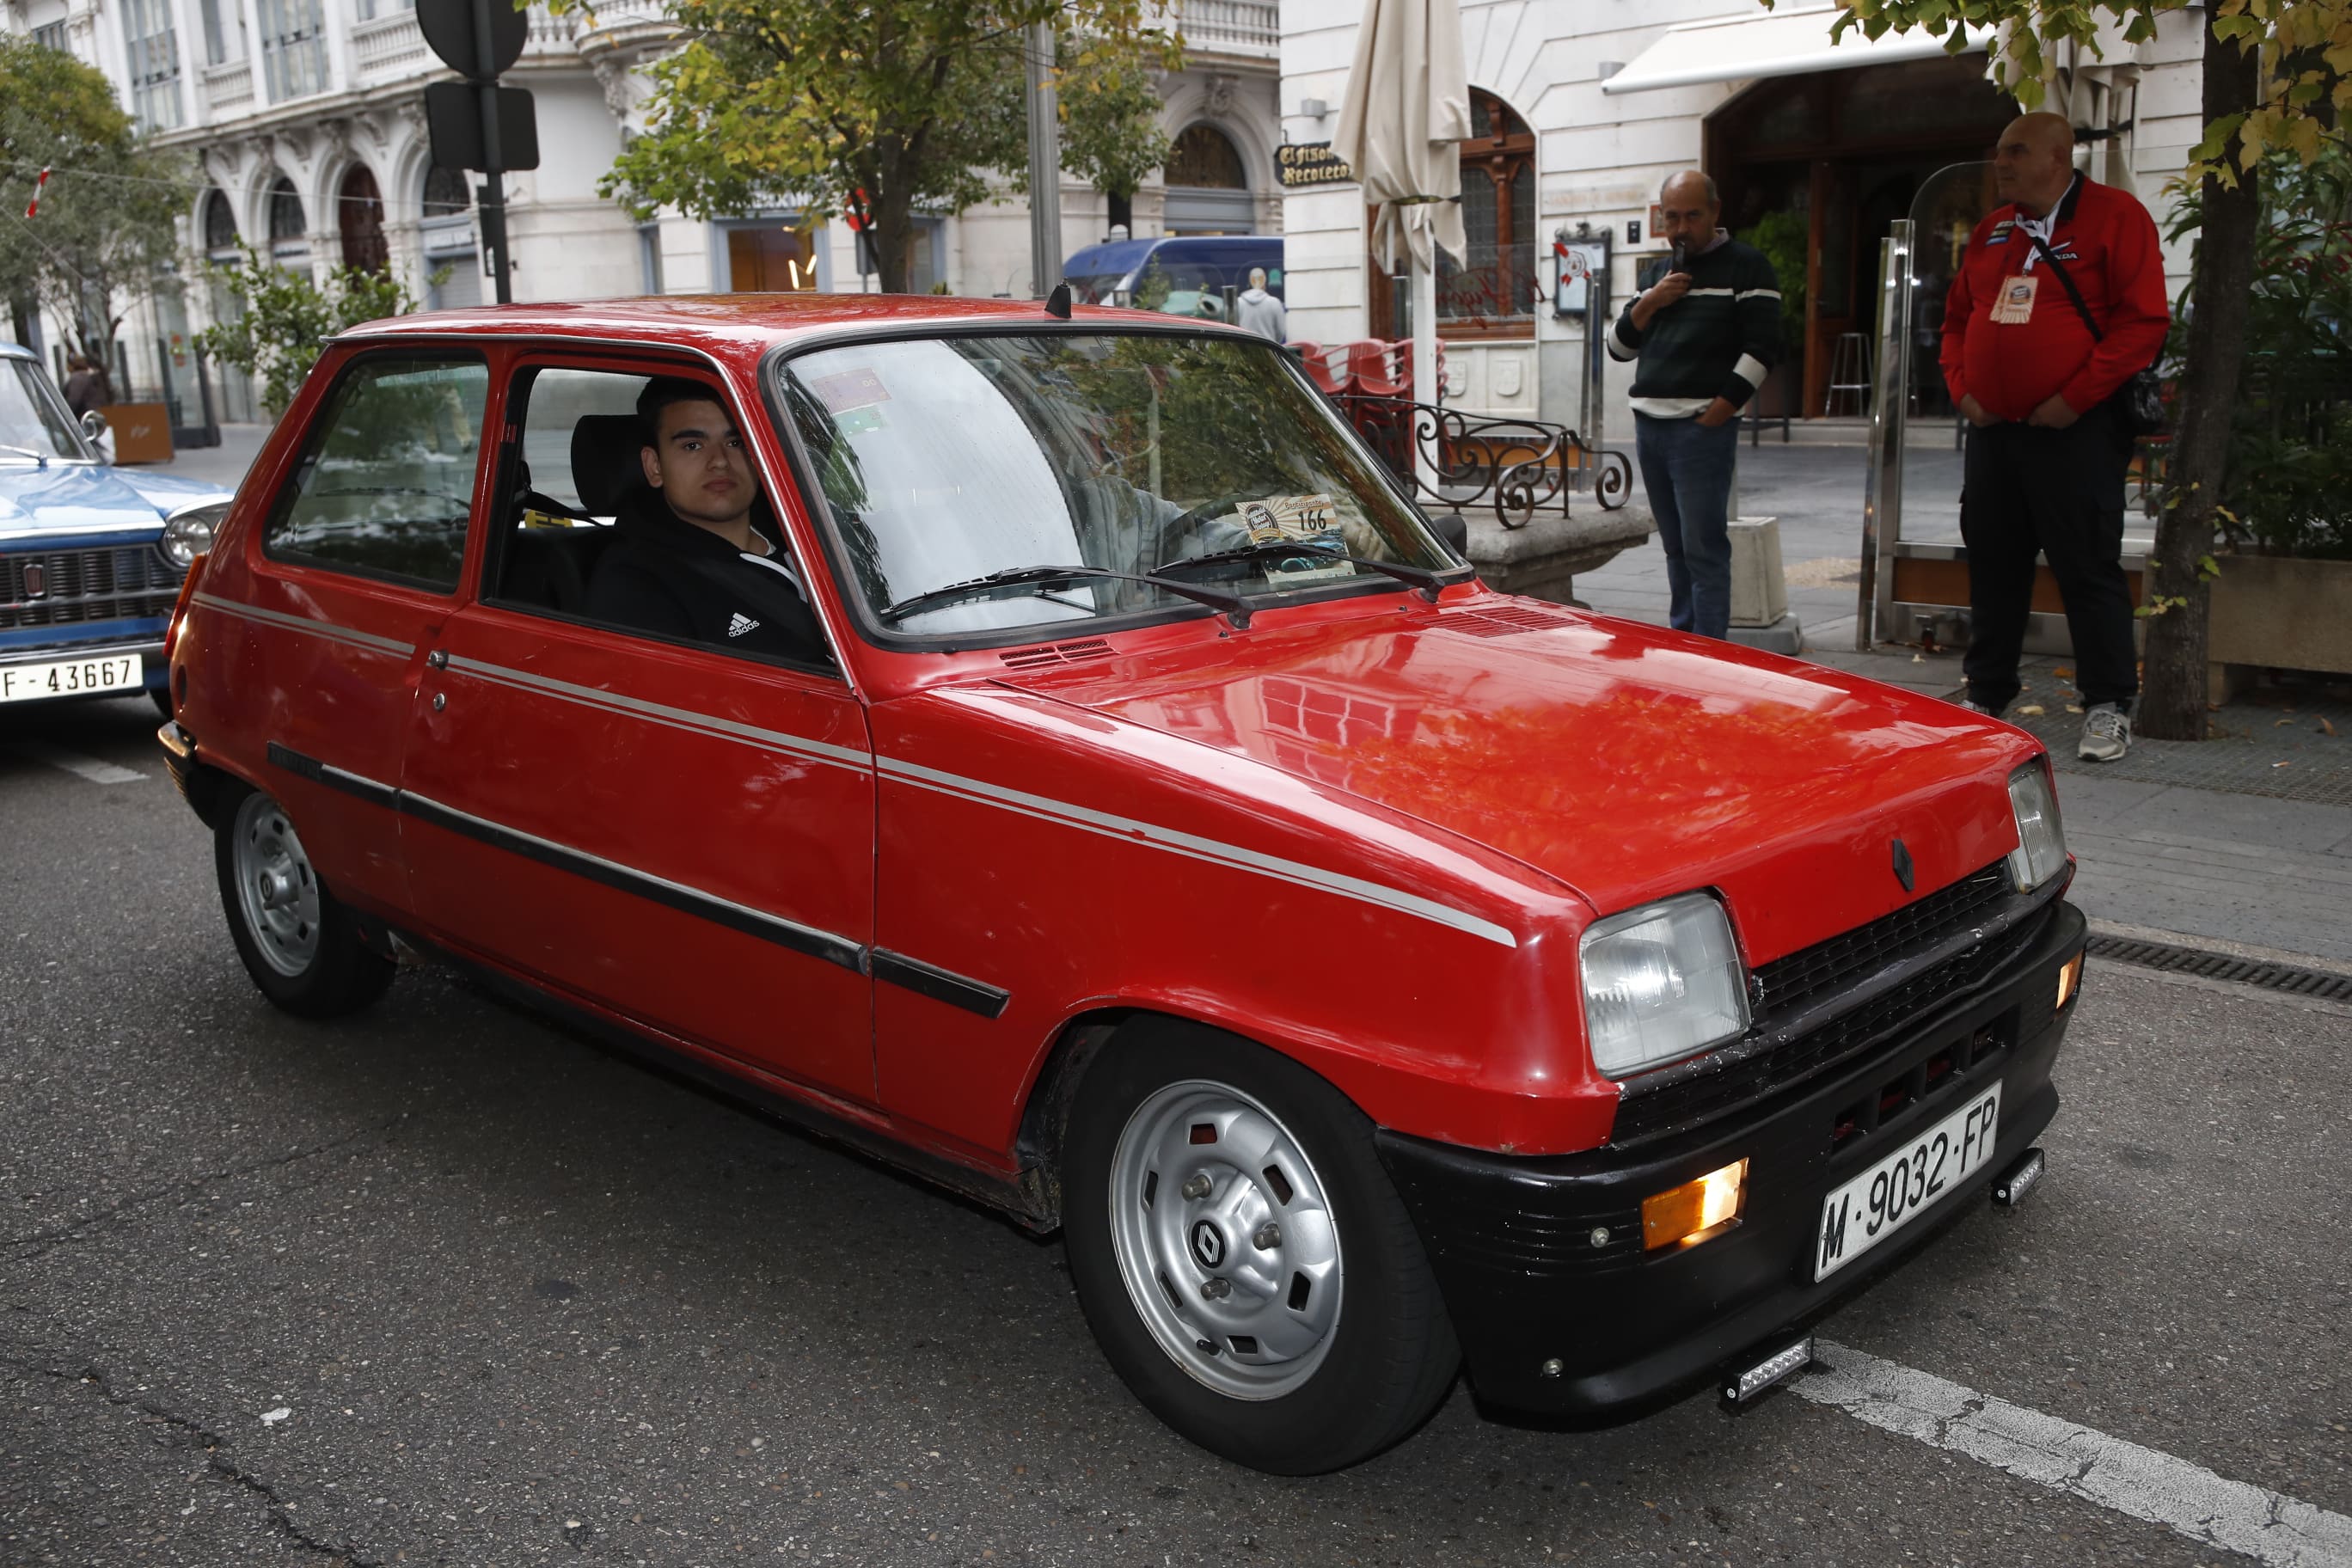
(1455, 529)
(93, 425)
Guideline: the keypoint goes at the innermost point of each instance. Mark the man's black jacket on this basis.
(664, 576)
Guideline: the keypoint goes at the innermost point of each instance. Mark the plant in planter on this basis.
(1786, 239)
(2288, 494)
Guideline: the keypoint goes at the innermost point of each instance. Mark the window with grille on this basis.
(1493, 288)
(154, 63)
(293, 47)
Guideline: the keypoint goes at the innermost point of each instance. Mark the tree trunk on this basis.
(892, 223)
(2172, 705)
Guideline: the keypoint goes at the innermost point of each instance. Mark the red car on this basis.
(1051, 753)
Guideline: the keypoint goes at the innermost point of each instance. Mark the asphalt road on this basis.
(522, 1301)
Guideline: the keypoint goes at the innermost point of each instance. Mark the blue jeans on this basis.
(1686, 472)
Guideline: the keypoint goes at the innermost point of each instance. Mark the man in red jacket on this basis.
(2035, 376)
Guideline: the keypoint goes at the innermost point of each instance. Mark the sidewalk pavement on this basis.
(2241, 841)
(2244, 840)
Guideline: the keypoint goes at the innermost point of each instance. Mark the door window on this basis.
(386, 484)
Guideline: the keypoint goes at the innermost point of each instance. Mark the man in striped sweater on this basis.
(1706, 327)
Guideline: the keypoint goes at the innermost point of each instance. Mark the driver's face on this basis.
(700, 464)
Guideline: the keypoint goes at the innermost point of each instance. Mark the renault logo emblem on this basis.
(1905, 872)
(1208, 1245)
(37, 580)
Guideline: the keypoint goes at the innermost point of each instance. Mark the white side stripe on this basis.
(675, 718)
(1197, 848)
(1758, 294)
(2140, 1482)
(1750, 369)
(1617, 347)
(1707, 293)
(349, 635)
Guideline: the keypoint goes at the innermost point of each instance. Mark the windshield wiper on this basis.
(1235, 607)
(1421, 577)
(41, 457)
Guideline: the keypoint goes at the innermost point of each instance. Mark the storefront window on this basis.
(1494, 288)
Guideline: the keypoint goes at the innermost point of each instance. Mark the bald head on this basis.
(1688, 207)
(2034, 162)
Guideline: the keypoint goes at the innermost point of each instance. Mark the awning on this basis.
(1768, 43)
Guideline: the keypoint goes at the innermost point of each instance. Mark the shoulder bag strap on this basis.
(2072, 292)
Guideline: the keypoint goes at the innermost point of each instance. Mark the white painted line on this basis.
(2080, 1462)
(90, 768)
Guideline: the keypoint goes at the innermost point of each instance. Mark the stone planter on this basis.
(1542, 559)
(2277, 612)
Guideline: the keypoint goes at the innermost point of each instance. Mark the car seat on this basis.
(551, 566)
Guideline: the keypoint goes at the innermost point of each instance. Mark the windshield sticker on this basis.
(1309, 519)
(846, 390)
(859, 421)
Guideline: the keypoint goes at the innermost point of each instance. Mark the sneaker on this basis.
(2106, 733)
(1980, 707)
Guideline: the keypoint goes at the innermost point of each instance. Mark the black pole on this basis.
(492, 196)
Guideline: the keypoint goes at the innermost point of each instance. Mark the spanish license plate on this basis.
(1907, 1184)
(72, 678)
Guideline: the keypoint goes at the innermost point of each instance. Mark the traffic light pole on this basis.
(492, 199)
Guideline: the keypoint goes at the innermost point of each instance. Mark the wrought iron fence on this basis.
(1519, 466)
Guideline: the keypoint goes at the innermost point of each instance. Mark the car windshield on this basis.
(948, 459)
(33, 421)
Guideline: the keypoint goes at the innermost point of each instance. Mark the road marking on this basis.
(90, 768)
(2080, 1462)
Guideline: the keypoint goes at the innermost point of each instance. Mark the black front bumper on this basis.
(1541, 1261)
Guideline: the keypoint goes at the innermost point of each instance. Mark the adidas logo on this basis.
(740, 624)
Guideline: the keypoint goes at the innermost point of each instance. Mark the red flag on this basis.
(33, 207)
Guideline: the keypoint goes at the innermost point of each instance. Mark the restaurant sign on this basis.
(1310, 163)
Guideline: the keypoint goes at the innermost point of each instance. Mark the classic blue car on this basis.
(92, 557)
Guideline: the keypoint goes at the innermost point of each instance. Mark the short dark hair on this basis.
(659, 394)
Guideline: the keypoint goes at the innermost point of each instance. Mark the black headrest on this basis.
(604, 462)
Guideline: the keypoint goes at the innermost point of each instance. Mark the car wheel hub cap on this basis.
(278, 892)
(1198, 1164)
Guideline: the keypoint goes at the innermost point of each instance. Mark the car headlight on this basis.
(2041, 852)
(188, 535)
(1661, 983)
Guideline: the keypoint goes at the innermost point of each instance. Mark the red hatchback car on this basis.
(1053, 755)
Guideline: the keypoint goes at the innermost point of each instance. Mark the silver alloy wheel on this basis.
(276, 892)
(1226, 1239)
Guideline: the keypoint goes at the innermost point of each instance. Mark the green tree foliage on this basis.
(285, 318)
(106, 223)
(2288, 487)
(916, 103)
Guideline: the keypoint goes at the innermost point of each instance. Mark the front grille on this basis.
(113, 583)
(1771, 1060)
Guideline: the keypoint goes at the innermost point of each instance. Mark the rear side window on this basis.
(386, 484)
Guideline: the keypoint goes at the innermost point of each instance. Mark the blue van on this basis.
(1181, 276)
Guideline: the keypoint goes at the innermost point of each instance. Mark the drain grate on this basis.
(2287, 977)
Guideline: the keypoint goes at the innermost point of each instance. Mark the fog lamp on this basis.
(2070, 976)
(1690, 1211)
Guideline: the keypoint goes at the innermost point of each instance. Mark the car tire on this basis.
(299, 942)
(161, 698)
(1327, 1341)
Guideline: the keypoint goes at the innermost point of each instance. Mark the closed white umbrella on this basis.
(1406, 112)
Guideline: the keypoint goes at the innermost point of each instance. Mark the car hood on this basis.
(78, 498)
(1628, 763)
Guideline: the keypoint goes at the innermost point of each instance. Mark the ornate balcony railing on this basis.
(1520, 466)
(392, 47)
(228, 88)
(1229, 27)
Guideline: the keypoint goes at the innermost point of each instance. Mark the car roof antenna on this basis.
(1057, 303)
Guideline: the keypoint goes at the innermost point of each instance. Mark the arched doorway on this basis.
(1208, 185)
(223, 250)
(360, 217)
(453, 261)
(1813, 168)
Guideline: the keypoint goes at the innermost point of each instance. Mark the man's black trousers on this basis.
(2060, 492)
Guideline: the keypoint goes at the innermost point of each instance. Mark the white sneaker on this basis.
(1972, 707)
(2106, 733)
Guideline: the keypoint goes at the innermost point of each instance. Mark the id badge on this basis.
(2014, 305)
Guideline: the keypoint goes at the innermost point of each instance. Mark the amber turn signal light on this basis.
(2070, 976)
(1690, 1211)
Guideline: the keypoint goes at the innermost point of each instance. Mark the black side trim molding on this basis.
(785, 933)
(939, 984)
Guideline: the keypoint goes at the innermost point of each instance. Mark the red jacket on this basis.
(2107, 244)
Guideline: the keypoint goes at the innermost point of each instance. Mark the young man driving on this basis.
(688, 562)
